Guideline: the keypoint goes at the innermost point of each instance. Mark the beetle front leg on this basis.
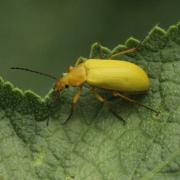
(105, 102)
(75, 100)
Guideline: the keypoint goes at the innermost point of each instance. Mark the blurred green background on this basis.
(49, 35)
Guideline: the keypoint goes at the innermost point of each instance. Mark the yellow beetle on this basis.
(114, 75)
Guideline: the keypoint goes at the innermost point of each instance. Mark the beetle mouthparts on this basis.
(56, 95)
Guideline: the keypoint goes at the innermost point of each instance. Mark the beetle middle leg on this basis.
(105, 102)
(100, 51)
(75, 100)
(115, 93)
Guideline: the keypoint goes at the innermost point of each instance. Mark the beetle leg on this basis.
(131, 50)
(133, 101)
(105, 102)
(73, 105)
(80, 60)
(100, 50)
(127, 51)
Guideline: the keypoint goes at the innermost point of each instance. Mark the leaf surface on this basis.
(95, 144)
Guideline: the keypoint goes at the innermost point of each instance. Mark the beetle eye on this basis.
(64, 74)
(66, 86)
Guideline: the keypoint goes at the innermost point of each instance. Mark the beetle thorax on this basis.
(75, 77)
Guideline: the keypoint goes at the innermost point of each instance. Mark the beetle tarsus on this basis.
(68, 118)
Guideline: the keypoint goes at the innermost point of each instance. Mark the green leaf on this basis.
(95, 145)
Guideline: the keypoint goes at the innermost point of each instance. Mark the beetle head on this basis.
(75, 77)
(61, 84)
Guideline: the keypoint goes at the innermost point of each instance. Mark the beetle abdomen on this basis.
(116, 75)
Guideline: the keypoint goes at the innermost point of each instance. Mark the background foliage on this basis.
(49, 35)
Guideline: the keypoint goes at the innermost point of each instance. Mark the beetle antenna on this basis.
(37, 72)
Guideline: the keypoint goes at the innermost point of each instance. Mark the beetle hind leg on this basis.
(134, 102)
(127, 51)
